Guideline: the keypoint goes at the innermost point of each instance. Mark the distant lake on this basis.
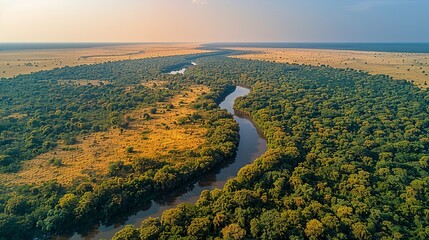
(376, 47)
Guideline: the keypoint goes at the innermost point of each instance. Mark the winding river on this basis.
(252, 145)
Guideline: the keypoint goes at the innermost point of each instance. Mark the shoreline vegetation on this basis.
(54, 208)
(334, 136)
(251, 146)
(348, 158)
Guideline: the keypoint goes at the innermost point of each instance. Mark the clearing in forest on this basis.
(159, 137)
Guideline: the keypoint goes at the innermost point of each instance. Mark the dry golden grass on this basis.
(154, 84)
(13, 63)
(92, 155)
(83, 82)
(409, 66)
(16, 115)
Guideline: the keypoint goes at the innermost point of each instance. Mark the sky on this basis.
(214, 20)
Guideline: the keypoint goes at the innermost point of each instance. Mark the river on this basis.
(182, 70)
(252, 145)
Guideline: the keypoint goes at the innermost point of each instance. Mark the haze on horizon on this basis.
(214, 21)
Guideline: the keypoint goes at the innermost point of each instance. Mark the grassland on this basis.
(409, 66)
(155, 138)
(83, 82)
(13, 63)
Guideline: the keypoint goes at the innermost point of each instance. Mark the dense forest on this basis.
(41, 109)
(348, 152)
(348, 158)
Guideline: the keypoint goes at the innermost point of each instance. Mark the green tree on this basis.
(314, 229)
(150, 229)
(127, 233)
(233, 231)
(199, 227)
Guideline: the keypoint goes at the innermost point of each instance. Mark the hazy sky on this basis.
(214, 20)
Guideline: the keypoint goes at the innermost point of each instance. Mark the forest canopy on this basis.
(348, 153)
(348, 159)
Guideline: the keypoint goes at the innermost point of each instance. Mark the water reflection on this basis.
(252, 145)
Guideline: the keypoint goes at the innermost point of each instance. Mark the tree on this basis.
(150, 229)
(129, 149)
(68, 201)
(199, 227)
(174, 216)
(127, 233)
(16, 205)
(360, 231)
(314, 229)
(5, 160)
(233, 231)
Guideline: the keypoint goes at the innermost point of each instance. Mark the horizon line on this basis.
(208, 42)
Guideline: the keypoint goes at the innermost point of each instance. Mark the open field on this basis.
(409, 66)
(154, 138)
(13, 63)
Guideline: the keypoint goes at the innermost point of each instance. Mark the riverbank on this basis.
(251, 146)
